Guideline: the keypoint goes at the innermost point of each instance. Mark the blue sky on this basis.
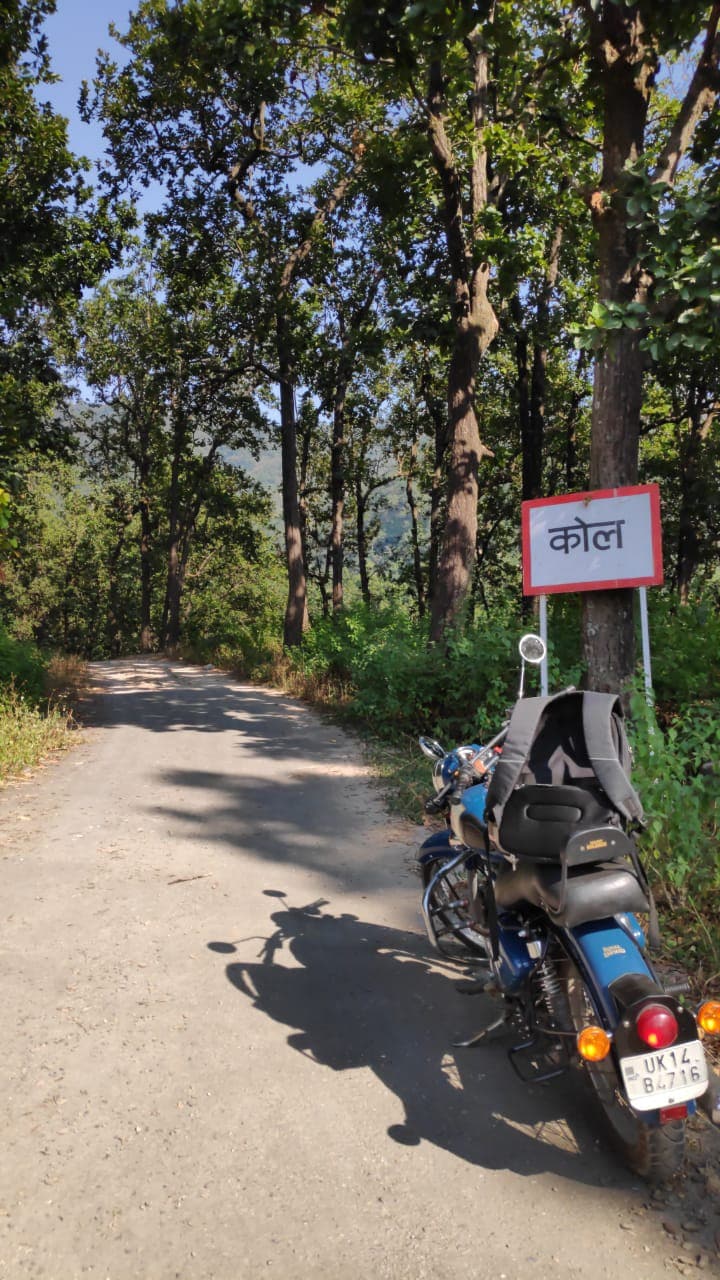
(75, 33)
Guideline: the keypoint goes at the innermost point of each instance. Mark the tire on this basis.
(448, 907)
(656, 1153)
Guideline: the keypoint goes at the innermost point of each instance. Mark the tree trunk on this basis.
(337, 494)
(296, 614)
(414, 532)
(173, 595)
(170, 627)
(534, 443)
(322, 581)
(436, 507)
(693, 495)
(347, 358)
(457, 555)
(361, 539)
(475, 327)
(529, 461)
(112, 626)
(688, 551)
(571, 421)
(438, 416)
(146, 635)
(608, 624)
(531, 408)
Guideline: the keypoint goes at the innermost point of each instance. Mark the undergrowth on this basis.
(677, 773)
(36, 700)
(29, 732)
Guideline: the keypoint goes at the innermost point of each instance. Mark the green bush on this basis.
(680, 840)
(234, 615)
(685, 652)
(21, 666)
(399, 685)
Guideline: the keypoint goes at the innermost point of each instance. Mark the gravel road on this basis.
(226, 1050)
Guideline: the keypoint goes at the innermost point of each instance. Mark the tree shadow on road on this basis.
(333, 825)
(365, 995)
(156, 694)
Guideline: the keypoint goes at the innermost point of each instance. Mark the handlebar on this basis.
(436, 803)
(467, 774)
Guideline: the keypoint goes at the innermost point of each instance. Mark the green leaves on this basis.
(678, 237)
(606, 318)
(53, 242)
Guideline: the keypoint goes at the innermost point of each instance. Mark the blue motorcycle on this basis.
(537, 882)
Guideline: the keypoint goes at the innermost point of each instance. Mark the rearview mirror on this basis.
(432, 749)
(532, 648)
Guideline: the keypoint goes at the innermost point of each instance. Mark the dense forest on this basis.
(401, 267)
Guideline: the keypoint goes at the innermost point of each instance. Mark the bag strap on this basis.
(521, 731)
(602, 713)
(654, 940)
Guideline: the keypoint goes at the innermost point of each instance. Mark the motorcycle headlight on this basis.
(439, 781)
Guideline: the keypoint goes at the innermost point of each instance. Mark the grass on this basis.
(29, 733)
(404, 774)
(65, 679)
(30, 730)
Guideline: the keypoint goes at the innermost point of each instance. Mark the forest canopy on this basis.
(407, 266)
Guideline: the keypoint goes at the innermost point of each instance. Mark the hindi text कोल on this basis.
(570, 537)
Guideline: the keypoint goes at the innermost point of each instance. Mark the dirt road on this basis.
(226, 1052)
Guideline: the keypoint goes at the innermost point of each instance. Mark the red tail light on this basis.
(657, 1026)
(673, 1113)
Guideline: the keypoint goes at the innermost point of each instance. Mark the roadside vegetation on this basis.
(36, 705)
(409, 265)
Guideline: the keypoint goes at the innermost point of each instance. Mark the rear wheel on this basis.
(654, 1152)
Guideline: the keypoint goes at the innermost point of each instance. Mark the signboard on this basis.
(594, 541)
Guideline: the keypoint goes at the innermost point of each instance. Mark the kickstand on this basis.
(480, 1035)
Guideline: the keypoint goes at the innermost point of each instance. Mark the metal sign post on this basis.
(544, 637)
(596, 541)
(645, 629)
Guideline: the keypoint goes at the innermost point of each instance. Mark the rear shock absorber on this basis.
(553, 994)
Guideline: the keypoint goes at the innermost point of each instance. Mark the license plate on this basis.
(665, 1077)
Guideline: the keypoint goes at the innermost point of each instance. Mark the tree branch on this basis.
(442, 153)
(699, 98)
(336, 196)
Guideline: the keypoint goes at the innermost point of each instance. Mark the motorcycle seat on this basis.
(591, 893)
(540, 818)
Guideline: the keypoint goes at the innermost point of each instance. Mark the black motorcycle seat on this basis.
(592, 893)
(540, 818)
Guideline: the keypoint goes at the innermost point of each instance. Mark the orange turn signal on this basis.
(593, 1044)
(708, 1017)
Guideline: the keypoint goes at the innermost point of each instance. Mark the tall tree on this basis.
(477, 79)
(229, 127)
(52, 242)
(626, 43)
(122, 349)
(164, 354)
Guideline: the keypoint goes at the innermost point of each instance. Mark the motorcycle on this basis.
(553, 934)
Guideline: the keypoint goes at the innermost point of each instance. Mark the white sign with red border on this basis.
(595, 541)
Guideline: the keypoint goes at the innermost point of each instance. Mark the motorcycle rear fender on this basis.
(605, 953)
(617, 975)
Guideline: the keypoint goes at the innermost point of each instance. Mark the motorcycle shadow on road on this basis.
(365, 995)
